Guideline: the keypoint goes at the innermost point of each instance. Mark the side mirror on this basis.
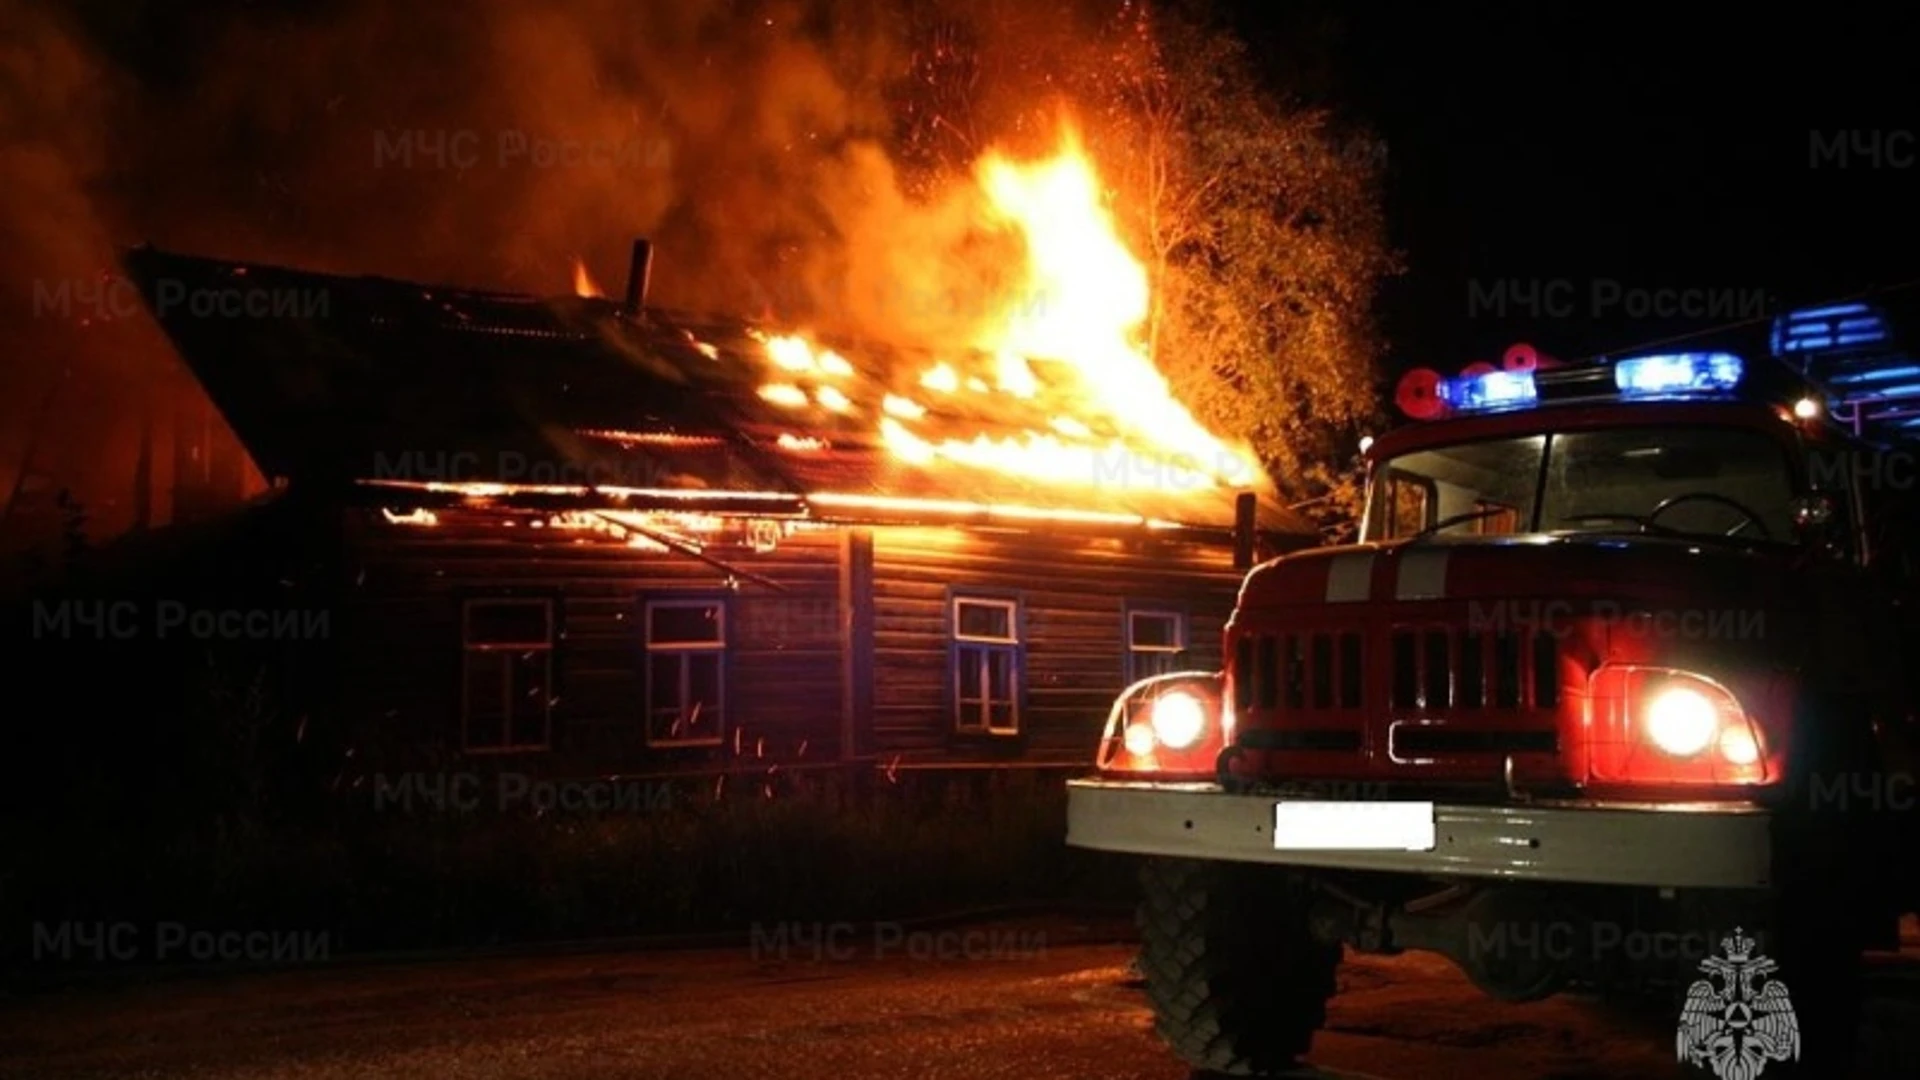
(1818, 522)
(1813, 513)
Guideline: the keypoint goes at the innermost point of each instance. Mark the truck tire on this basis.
(1238, 984)
(1828, 899)
(1818, 917)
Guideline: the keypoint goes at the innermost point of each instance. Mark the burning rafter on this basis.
(1021, 421)
(611, 504)
(673, 439)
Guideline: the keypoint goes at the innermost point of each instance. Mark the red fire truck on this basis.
(1620, 675)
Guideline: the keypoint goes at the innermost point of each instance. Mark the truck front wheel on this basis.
(1237, 982)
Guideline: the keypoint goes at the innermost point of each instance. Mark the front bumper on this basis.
(1691, 846)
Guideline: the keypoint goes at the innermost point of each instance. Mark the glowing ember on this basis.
(583, 283)
(651, 438)
(1016, 375)
(989, 511)
(795, 354)
(907, 408)
(803, 443)
(784, 394)
(905, 444)
(416, 516)
(1047, 457)
(942, 377)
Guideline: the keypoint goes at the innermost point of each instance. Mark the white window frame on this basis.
(981, 648)
(684, 650)
(1135, 650)
(470, 648)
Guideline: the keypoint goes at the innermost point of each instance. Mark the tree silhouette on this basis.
(1259, 218)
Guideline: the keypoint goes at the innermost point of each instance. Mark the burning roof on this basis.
(423, 392)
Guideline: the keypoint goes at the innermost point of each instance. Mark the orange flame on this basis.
(1065, 338)
(583, 283)
(793, 353)
(1089, 300)
(800, 443)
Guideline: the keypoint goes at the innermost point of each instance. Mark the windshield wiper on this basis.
(1645, 523)
(1648, 526)
(1457, 519)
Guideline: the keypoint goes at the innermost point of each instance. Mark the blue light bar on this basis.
(1829, 329)
(1904, 392)
(1875, 375)
(1490, 390)
(1678, 373)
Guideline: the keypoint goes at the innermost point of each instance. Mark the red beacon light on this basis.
(1418, 395)
(1425, 394)
(1524, 357)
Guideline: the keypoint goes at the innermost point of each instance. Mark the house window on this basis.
(986, 666)
(1156, 642)
(507, 698)
(686, 672)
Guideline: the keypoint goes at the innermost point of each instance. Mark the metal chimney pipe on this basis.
(1245, 507)
(639, 272)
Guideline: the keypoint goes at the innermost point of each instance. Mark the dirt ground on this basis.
(1036, 1000)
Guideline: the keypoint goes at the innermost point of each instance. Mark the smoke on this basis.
(489, 144)
(55, 97)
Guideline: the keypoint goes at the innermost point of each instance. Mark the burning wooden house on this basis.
(600, 537)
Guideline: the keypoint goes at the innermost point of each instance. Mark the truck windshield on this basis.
(1709, 482)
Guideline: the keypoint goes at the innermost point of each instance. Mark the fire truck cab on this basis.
(1620, 674)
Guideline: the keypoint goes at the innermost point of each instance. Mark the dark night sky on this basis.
(1668, 149)
(1594, 157)
(1625, 152)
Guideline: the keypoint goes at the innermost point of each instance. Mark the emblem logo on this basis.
(1739, 1017)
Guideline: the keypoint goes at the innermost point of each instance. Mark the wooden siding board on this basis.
(1074, 592)
(783, 661)
(790, 675)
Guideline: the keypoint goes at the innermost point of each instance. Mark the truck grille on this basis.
(1437, 669)
(1420, 740)
(1458, 693)
(1444, 670)
(1299, 671)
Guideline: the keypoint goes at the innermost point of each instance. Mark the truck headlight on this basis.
(1179, 719)
(1682, 721)
(1655, 725)
(1169, 725)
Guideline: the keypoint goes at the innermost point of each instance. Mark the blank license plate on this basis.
(1353, 826)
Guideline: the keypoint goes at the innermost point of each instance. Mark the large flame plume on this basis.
(1063, 337)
